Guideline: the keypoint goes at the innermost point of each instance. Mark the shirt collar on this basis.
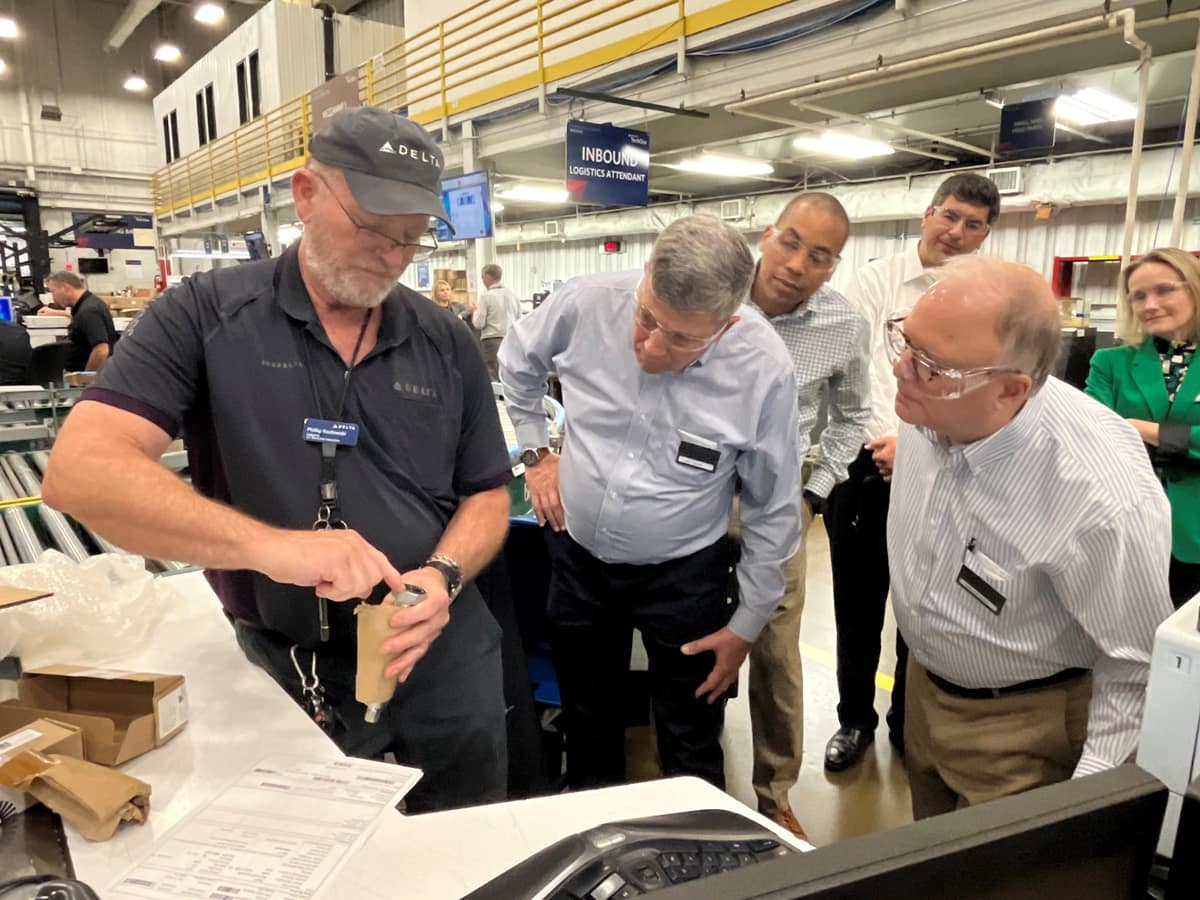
(293, 298)
(1004, 442)
(914, 269)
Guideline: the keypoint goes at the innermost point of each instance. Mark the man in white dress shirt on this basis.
(956, 222)
(1029, 543)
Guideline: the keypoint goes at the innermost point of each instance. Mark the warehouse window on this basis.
(212, 111)
(201, 119)
(175, 134)
(167, 138)
(255, 91)
(243, 100)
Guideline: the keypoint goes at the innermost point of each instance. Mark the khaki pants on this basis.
(962, 752)
(777, 689)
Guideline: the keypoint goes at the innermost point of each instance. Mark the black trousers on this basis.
(1185, 581)
(856, 518)
(593, 608)
(447, 719)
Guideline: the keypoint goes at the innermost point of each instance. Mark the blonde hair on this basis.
(433, 295)
(1186, 266)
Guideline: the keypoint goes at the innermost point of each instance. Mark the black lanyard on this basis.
(327, 511)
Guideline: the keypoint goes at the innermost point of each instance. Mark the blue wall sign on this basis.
(607, 166)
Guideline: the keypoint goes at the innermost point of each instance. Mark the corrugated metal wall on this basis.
(1082, 231)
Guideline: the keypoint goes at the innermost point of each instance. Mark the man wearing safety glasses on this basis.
(956, 222)
(1029, 543)
(673, 392)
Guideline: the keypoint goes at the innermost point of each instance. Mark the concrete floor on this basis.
(872, 796)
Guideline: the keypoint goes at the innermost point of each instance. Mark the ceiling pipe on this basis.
(131, 17)
(1128, 21)
(893, 126)
(1189, 140)
(925, 65)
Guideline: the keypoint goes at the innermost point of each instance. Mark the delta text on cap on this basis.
(391, 164)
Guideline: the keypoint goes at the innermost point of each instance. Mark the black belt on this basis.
(991, 693)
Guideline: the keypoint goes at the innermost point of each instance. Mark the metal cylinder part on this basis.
(29, 548)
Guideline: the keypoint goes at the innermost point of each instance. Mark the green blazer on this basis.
(1129, 381)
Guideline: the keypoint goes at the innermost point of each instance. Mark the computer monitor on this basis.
(6, 309)
(467, 199)
(93, 265)
(256, 245)
(1090, 837)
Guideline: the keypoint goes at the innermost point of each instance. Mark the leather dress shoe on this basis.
(846, 748)
(787, 819)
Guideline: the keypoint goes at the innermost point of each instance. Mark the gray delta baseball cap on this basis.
(392, 165)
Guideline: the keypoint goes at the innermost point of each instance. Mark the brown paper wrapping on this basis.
(93, 798)
(374, 627)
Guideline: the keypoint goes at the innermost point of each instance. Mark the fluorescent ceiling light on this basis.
(135, 82)
(835, 143)
(529, 193)
(8, 27)
(3, 66)
(497, 206)
(288, 234)
(167, 52)
(993, 100)
(209, 13)
(1092, 107)
(711, 164)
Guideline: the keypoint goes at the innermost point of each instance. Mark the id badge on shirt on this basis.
(320, 431)
(697, 452)
(976, 576)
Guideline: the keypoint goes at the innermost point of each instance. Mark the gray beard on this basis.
(350, 288)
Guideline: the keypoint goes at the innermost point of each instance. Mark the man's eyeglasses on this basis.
(952, 217)
(422, 249)
(1158, 292)
(686, 343)
(938, 381)
(818, 258)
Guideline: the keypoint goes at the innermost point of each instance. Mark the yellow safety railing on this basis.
(489, 51)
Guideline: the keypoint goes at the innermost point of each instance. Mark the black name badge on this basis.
(973, 584)
(697, 452)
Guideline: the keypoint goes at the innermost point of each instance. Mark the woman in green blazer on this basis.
(1153, 379)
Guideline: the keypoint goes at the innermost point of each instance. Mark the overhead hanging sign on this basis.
(1027, 126)
(328, 99)
(607, 166)
(136, 231)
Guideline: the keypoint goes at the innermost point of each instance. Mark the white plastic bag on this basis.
(101, 607)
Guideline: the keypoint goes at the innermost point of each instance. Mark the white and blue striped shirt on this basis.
(828, 340)
(1067, 522)
(626, 496)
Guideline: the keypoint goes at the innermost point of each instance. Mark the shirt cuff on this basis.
(531, 434)
(1090, 765)
(1174, 441)
(821, 482)
(747, 624)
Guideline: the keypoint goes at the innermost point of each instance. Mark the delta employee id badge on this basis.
(697, 452)
(321, 431)
(974, 583)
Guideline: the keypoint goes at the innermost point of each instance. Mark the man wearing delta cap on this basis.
(343, 441)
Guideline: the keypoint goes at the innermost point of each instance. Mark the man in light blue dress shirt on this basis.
(674, 393)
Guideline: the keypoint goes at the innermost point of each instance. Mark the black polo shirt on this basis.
(224, 358)
(91, 324)
(16, 354)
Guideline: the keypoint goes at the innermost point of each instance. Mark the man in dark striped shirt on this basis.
(1029, 543)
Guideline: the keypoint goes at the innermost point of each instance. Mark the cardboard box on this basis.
(121, 714)
(14, 596)
(20, 731)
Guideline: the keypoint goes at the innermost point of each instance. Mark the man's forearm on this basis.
(144, 508)
(97, 358)
(477, 530)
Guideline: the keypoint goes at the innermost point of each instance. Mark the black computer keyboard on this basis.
(629, 859)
